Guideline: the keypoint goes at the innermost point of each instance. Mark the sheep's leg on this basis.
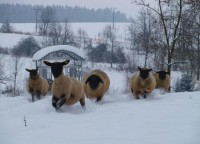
(82, 102)
(32, 94)
(136, 94)
(38, 94)
(145, 94)
(61, 101)
(98, 99)
(54, 102)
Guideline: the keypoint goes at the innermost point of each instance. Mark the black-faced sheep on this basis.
(96, 84)
(142, 82)
(65, 89)
(162, 80)
(36, 85)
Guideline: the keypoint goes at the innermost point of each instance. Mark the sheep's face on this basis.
(94, 81)
(144, 73)
(33, 73)
(162, 74)
(56, 67)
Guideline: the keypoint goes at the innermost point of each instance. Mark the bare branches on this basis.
(142, 3)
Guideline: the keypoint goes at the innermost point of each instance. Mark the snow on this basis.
(9, 40)
(92, 29)
(170, 118)
(47, 50)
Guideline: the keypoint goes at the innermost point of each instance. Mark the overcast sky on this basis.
(125, 6)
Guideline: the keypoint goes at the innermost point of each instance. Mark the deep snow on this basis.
(170, 118)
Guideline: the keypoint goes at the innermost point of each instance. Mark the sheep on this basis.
(162, 80)
(36, 85)
(66, 90)
(96, 84)
(142, 82)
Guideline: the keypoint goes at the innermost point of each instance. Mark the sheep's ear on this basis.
(139, 68)
(27, 70)
(47, 63)
(158, 72)
(167, 73)
(65, 62)
(87, 81)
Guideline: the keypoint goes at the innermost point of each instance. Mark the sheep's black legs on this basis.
(82, 102)
(38, 94)
(61, 101)
(98, 99)
(57, 103)
(145, 95)
(32, 97)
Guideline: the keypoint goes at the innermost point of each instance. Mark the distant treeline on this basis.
(17, 13)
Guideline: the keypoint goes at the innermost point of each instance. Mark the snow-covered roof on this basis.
(71, 51)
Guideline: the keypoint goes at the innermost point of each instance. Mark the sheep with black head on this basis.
(162, 80)
(142, 82)
(66, 90)
(36, 85)
(96, 83)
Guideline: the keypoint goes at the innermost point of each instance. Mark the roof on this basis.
(71, 51)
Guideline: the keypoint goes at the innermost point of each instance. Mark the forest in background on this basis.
(19, 13)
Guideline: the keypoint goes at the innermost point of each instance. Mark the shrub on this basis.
(185, 83)
(26, 47)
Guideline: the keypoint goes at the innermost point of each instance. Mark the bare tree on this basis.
(47, 17)
(169, 14)
(2, 76)
(109, 36)
(17, 66)
(83, 37)
(61, 34)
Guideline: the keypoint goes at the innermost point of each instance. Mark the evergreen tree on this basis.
(185, 83)
(6, 27)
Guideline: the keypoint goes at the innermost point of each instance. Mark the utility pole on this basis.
(36, 18)
(112, 35)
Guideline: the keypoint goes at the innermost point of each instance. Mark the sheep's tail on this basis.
(93, 81)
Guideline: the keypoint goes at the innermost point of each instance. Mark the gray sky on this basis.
(124, 6)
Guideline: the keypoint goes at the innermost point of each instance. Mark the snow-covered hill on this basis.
(161, 119)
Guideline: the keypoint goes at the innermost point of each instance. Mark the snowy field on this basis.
(93, 29)
(170, 118)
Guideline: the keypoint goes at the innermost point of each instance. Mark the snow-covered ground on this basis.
(160, 119)
(170, 118)
(93, 29)
(9, 40)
